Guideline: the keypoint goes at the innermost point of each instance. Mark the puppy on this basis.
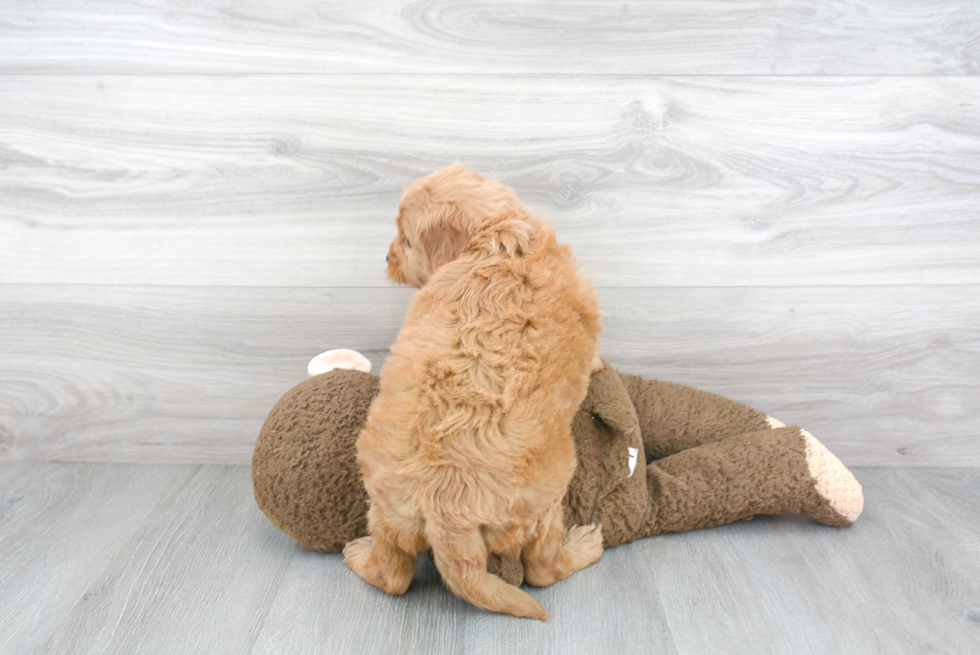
(467, 448)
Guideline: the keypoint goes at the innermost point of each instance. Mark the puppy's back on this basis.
(498, 350)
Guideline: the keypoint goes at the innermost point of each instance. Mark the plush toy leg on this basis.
(773, 471)
(674, 417)
(834, 482)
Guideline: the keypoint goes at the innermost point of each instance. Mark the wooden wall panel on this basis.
(688, 37)
(294, 180)
(778, 201)
(188, 374)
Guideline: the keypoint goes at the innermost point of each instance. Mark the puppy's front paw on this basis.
(392, 574)
(358, 556)
(597, 364)
(584, 545)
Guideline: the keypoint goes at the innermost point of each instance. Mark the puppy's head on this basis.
(446, 213)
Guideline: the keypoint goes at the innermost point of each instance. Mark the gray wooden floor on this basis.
(139, 558)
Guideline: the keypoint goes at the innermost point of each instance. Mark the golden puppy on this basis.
(467, 449)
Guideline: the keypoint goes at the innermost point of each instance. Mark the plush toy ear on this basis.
(443, 237)
(338, 358)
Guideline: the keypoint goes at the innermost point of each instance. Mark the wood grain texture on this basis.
(690, 37)
(294, 180)
(206, 572)
(197, 578)
(59, 526)
(882, 376)
(167, 374)
(887, 375)
(960, 496)
(787, 572)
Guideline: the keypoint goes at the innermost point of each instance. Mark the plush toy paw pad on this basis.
(834, 482)
(774, 423)
(338, 358)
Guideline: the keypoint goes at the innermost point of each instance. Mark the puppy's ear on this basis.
(443, 237)
(506, 231)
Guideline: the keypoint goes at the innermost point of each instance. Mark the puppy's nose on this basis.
(387, 259)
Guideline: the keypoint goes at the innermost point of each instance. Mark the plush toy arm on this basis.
(773, 471)
(674, 418)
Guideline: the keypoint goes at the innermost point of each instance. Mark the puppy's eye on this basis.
(408, 244)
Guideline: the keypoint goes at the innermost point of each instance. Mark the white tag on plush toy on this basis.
(634, 453)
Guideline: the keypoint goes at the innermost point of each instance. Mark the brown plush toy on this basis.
(653, 457)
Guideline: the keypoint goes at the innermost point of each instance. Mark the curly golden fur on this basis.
(467, 449)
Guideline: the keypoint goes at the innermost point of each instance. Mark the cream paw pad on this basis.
(835, 483)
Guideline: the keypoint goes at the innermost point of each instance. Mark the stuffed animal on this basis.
(653, 457)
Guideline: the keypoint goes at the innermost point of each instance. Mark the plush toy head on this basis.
(304, 468)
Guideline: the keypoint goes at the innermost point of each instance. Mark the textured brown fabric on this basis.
(304, 467)
(674, 417)
(739, 477)
(510, 570)
(702, 460)
(602, 490)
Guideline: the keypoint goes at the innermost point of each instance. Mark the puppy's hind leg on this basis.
(554, 554)
(461, 556)
(378, 559)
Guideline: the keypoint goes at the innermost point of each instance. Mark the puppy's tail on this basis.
(461, 557)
